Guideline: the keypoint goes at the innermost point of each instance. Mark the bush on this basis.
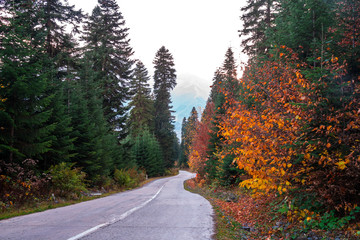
(139, 175)
(122, 177)
(20, 185)
(67, 181)
(129, 178)
(171, 171)
(102, 182)
(329, 221)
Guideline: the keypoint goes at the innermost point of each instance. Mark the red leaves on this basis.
(252, 212)
(200, 142)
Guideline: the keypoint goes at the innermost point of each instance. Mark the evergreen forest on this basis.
(76, 109)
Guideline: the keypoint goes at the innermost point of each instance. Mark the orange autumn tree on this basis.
(296, 127)
(265, 122)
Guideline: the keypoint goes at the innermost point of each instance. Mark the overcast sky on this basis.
(196, 32)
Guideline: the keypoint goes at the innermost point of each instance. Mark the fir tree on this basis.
(231, 83)
(83, 132)
(190, 130)
(96, 148)
(164, 82)
(23, 111)
(147, 153)
(183, 158)
(142, 111)
(62, 53)
(107, 40)
(257, 18)
(61, 142)
(215, 87)
(57, 17)
(225, 87)
(302, 26)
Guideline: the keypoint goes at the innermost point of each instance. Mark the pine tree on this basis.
(23, 83)
(142, 111)
(182, 158)
(61, 142)
(175, 150)
(107, 40)
(190, 130)
(57, 17)
(345, 43)
(83, 132)
(155, 156)
(62, 67)
(147, 153)
(96, 148)
(258, 18)
(164, 82)
(231, 83)
(225, 87)
(302, 26)
(215, 87)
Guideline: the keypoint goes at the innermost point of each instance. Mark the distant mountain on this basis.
(190, 92)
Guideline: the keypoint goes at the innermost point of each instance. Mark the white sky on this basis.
(196, 32)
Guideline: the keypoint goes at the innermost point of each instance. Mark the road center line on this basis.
(116, 219)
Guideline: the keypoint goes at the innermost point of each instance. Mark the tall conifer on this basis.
(257, 17)
(142, 111)
(23, 111)
(303, 26)
(106, 38)
(189, 133)
(225, 87)
(183, 158)
(58, 19)
(147, 153)
(164, 82)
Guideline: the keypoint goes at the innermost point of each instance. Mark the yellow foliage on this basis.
(341, 164)
(263, 134)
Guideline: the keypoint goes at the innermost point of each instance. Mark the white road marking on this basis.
(115, 219)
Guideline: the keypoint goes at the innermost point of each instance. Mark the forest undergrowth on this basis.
(238, 214)
(63, 186)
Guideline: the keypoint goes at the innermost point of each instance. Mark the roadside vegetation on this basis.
(238, 214)
(284, 136)
(63, 185)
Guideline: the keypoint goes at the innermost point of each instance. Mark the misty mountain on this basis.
(190, 92)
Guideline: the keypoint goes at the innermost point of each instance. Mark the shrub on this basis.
(123, 178)
(138, 175)
(67, 181)
(20, 185)
(171, 171)
(129, 178)
(102, 182)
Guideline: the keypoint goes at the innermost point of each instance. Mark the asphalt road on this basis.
(161, 209)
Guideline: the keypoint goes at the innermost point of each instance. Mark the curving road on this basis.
(161, 209)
